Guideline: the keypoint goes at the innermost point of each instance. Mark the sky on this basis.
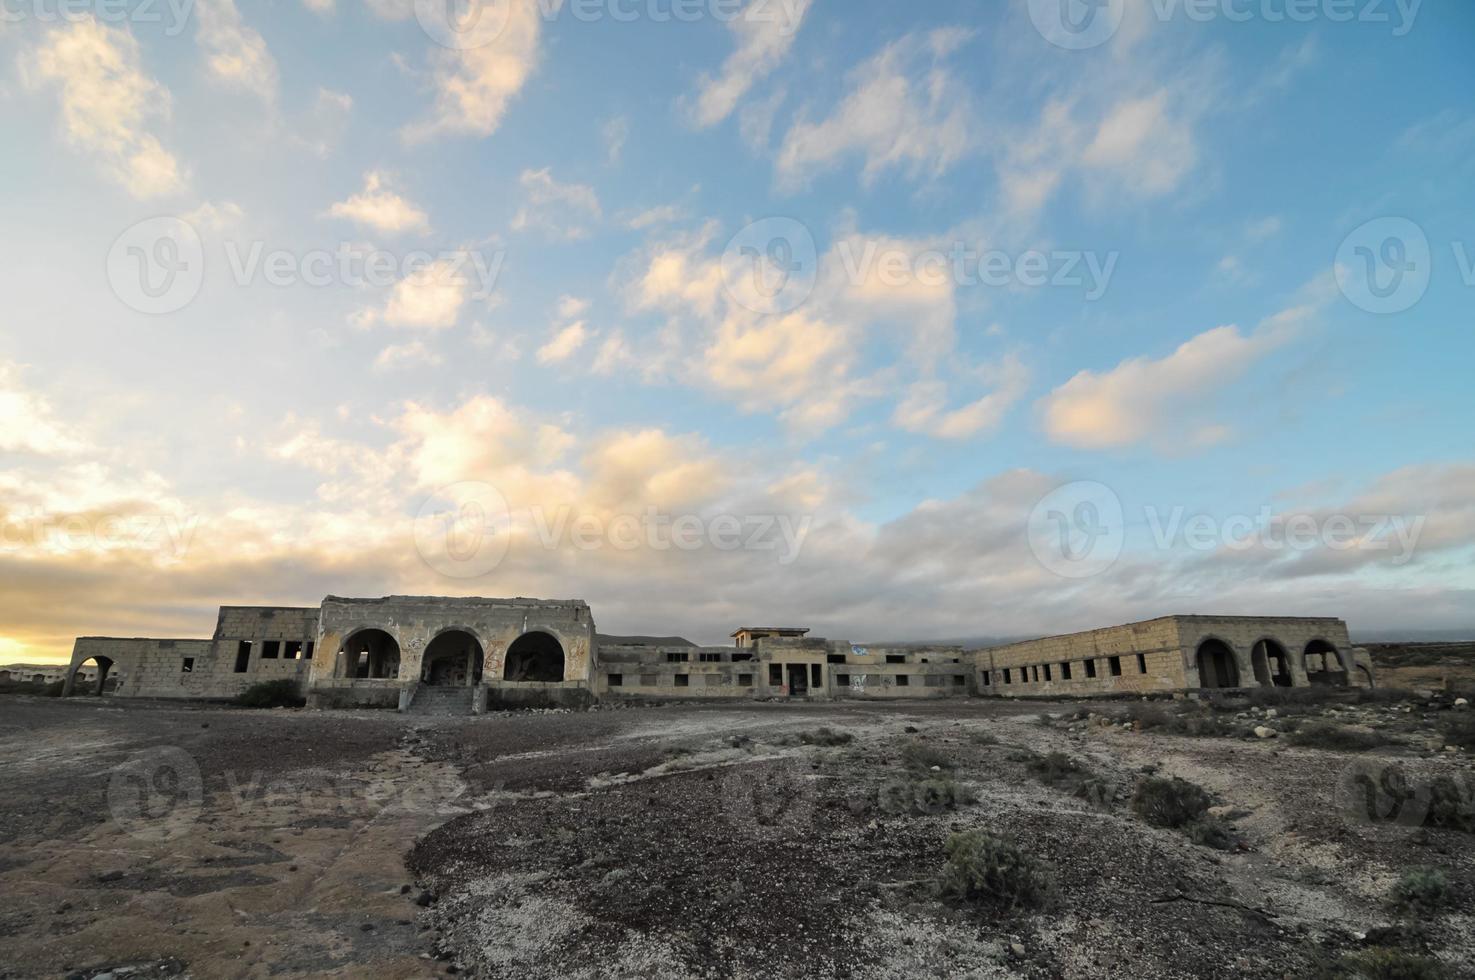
(896, 321)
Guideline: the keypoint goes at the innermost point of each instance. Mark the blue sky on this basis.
(914, 430)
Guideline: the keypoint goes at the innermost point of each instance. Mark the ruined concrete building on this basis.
(468, 655)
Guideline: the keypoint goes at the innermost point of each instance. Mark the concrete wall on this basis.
(1159, 655)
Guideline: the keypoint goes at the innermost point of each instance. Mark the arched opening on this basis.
(369, 654)
(1272, 664)
(1216, 667)
(453, 659)
(82, 684)
(534, 657)
(1365, 677)
(1324, 665)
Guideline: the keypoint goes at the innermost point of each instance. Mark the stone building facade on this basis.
(468, 655)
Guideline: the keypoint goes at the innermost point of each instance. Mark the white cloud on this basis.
(431, 297)
(906, 110)
(381, 208)
(475, 85)
(571, 307)
(615, 133)
(565, 344)
(924, 408)
(1144, 146)
(1162, 400)
(411, 354)
(320, 7)
(236, 55)
(764, 33)
(563, 211)
(108, 103)
(663, 214)
(614, 355)
(27, 421)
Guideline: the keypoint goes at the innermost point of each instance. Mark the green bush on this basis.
(1169, 802)
(986, 870)
(1422, 890)
(1337, 738)
(271, 694)
(1210, 831)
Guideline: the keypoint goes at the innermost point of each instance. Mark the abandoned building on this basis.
(453, 655)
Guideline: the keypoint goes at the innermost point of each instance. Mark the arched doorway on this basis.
(78, 682)
(1272, 664)
(370, 654)
(1324, 665)
(1216, 666)
(453, 659)
(534, 657)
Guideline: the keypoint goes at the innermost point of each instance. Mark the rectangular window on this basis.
(1115, 663)
(292, 650)
(902, 680)
(1008, 675)
(243, 656)
(842, 680)
(310, 645)
(1141, 663)
(835, 658)
(1090, 668)
(1065, 672)
(1035, 672)
(709, 658)
(775, 675)
(741, 658)
(1047, 673)
(745, 680)
(816, 676)
(616, 680)
(683, 680)
(189, 666)
(959, 680)
(676, 658)
(986, 679)
(271, 649)
(896, 658)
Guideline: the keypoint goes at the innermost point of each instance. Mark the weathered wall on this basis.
(415, 621)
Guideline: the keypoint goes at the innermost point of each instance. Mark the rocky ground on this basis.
(770, 840)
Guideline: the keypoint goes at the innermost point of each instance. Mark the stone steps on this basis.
(442, 701)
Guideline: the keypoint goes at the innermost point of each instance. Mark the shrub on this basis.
(937, 795)
(271, 694)
(826, 736)
(1337, 738)
(1422, 890)
(1459, 729)
(987, 870)
(982, 738)
(1149, 715)
(920, 755)
(1451, 805)
(1210, 831)
(1169, 802)
(1386, 964)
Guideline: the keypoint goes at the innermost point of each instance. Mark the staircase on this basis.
(442, 702)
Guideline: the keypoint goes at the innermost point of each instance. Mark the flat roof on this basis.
(771, 629)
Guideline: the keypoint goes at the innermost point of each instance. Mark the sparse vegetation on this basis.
(986, 870)
(825, 736)
(271, 694)
(1169, 802)
(1071, 776)
(1382, 964)
(1422, 890)
(1337, 738)
(1210, 831)
(1452, 804)
(1459, 729)
(920, 755)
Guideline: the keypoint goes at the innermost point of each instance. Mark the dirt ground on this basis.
(754, 840)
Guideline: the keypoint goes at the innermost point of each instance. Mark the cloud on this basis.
(430, 297)
(108, 103)
(236, 55)
(1143, 146)
(615, 133)
(475, 85)
(565, 344)
(570, 307)
(381, 208)
(563, 211)
(764, 33)
(1162, 400)
(924, 409)
(905, 111)
(411, 354)
(27, 421)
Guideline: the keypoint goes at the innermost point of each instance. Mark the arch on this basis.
(1323, 664)
(104, 667)
(1366, 676)
(1271, 663)
(1216, 664)
(453, 658)
(535, 657)
(369, 653)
